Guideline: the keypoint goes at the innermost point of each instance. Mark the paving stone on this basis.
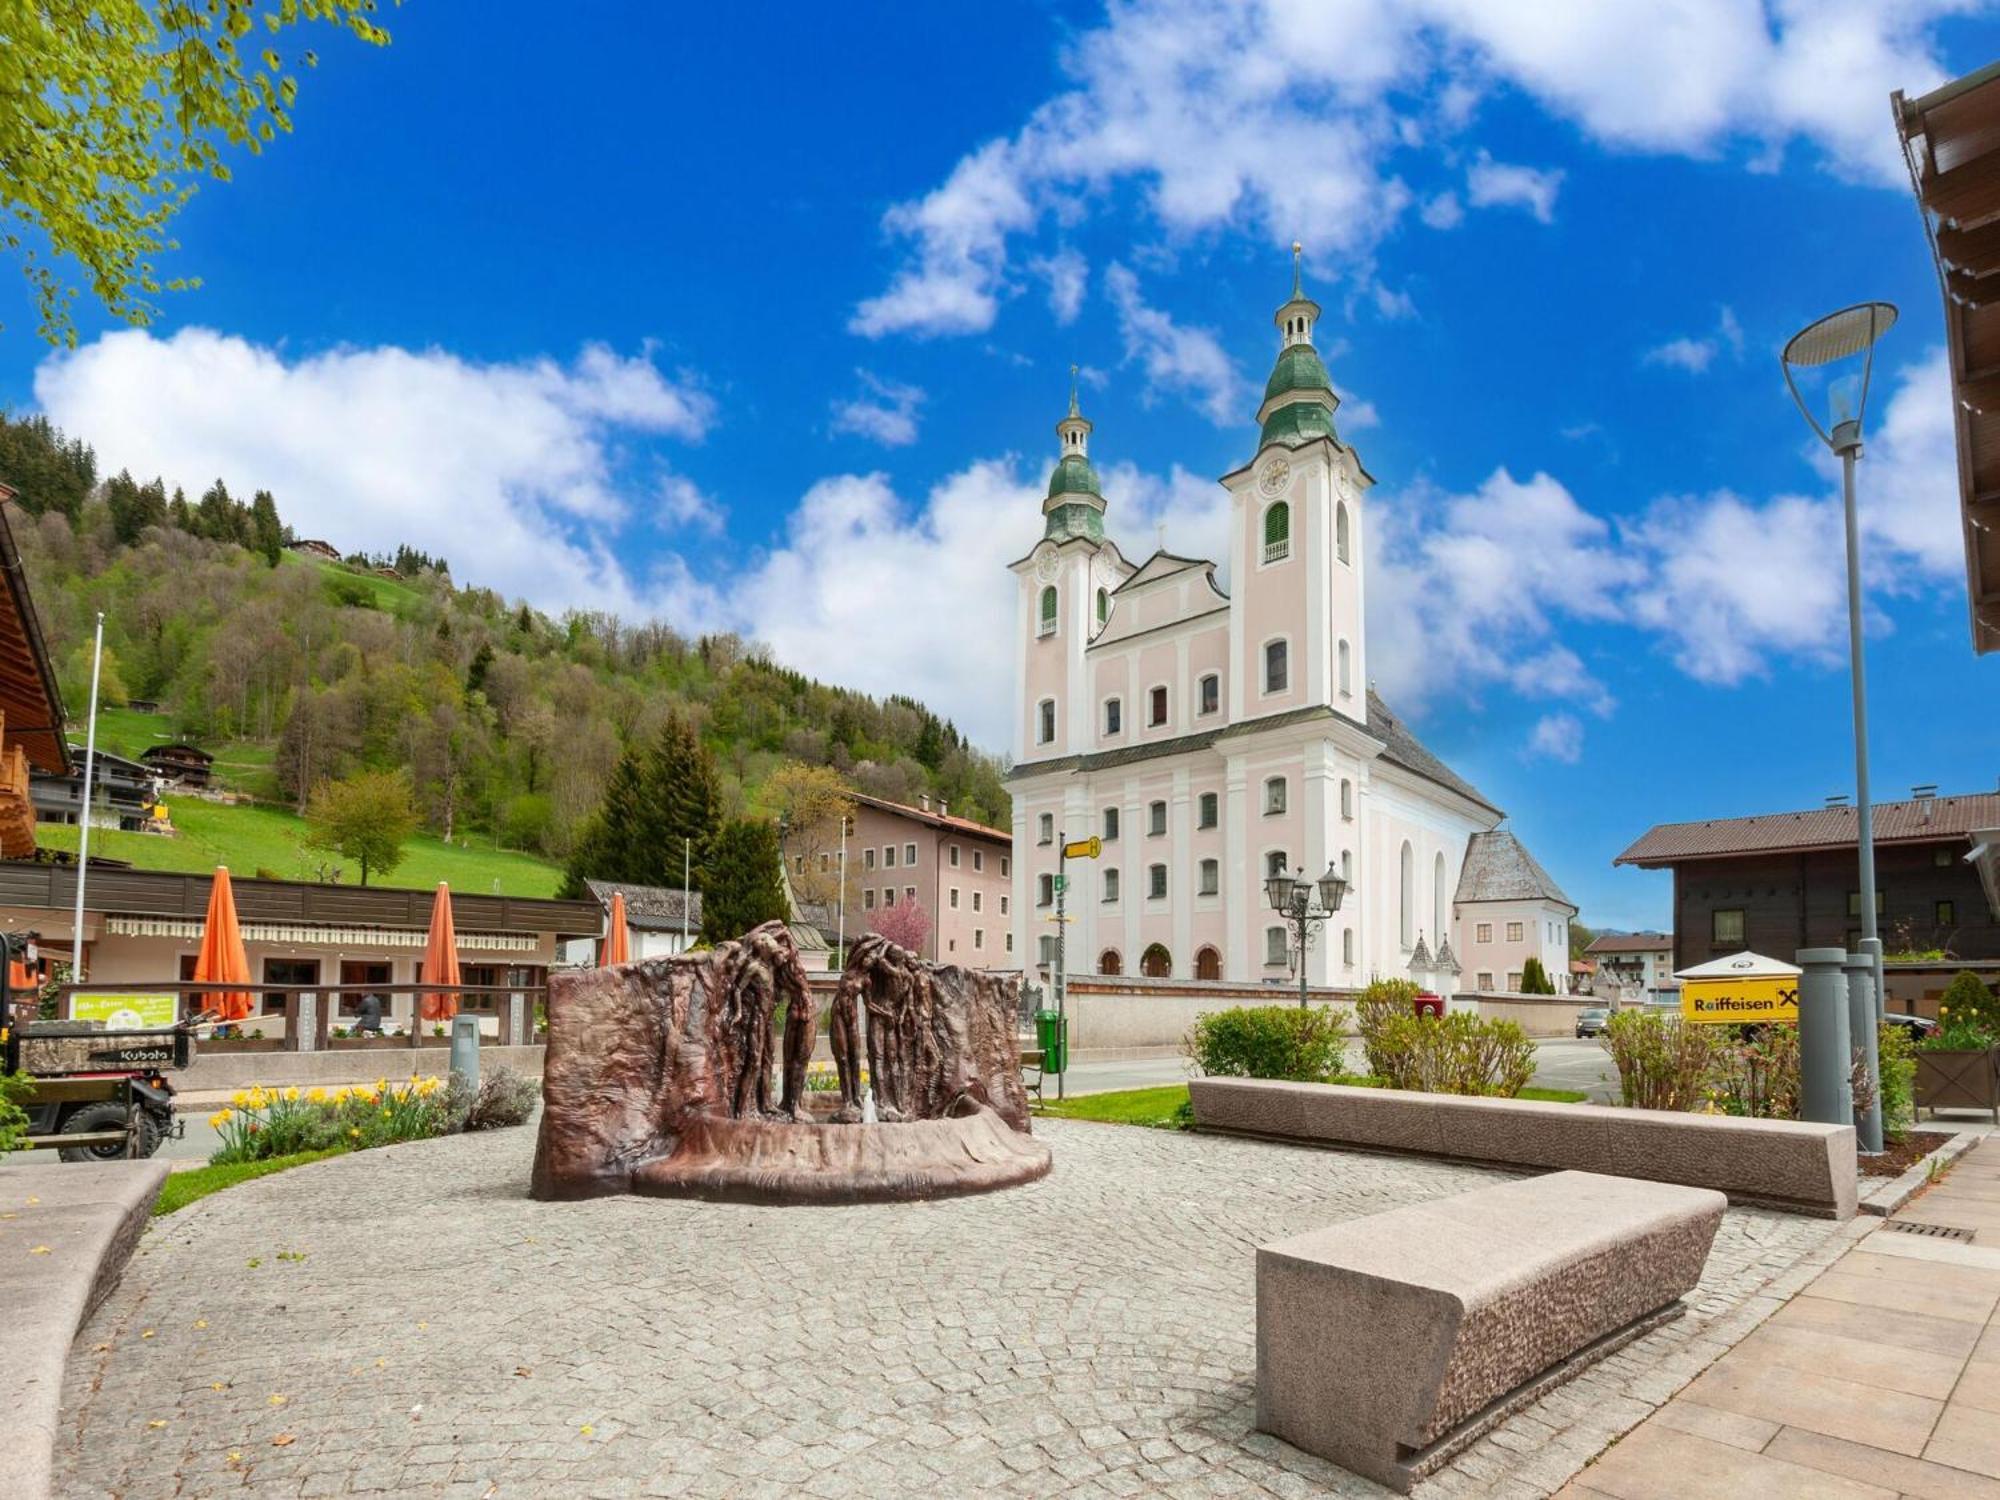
(1091, 1334)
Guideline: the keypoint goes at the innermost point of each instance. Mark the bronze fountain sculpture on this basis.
(658, 1080)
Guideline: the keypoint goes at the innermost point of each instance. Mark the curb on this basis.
(1894, 1193)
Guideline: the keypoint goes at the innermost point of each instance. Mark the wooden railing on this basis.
(17, 812)
(312, 1011)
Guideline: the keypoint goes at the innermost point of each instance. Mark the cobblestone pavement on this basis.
(407, 1322)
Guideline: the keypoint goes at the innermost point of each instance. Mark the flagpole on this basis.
(687, 864)
(76, 974)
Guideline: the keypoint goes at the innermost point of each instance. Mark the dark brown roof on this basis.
(1631, 942)
(1917, 820)
(29, 697)
(933, 819)
(1951, 139)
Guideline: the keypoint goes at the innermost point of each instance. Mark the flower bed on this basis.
(261, 1123)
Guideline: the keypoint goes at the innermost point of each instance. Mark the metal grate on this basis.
(1935, 1231)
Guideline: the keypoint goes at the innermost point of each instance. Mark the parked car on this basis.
(1591, 1020)
(1918, 1027)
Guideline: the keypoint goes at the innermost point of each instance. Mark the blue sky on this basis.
(763, 322)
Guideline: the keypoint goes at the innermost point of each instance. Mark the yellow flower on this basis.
(315, 1096)
(241, 1099)
(292, 1094)
(354, 1132)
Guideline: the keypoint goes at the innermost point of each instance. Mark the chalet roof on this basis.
(933, 819)
(1400, 747)
(1914, 821)
(1498, 867)
(1631, 942)
(651, 908)
(180, 750)
(29, 698)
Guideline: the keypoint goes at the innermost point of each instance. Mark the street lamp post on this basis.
(1836, 339)
(1291, 897)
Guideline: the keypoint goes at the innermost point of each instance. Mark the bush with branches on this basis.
(1662, 1061)
(1301, 1044)
(1459, 1053)
(1383, 1001)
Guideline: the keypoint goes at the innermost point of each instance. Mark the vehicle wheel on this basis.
(106, 1116)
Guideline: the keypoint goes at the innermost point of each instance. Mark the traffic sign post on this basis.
(1088, 848)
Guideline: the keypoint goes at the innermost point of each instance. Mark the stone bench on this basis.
(1774, 1163)
(1387, 1344)
(89, 1215)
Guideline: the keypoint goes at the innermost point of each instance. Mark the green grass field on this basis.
(183, 1188)
(250, 838)
(1160, 1107)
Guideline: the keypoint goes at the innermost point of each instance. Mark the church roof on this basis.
(1498, 867)
(1298, 369)
(1296, 424)
(1399, 747)
(1073, 475)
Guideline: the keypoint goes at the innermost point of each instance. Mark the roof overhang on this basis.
(1985, 858)
(28, 694)
(1951, 141)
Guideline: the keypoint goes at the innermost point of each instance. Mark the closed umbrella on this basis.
(617, 945)
(222, 958)
(441, 960)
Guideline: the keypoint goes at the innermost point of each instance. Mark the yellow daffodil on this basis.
(315, 1096)
(292, 1094)
(241, 1099)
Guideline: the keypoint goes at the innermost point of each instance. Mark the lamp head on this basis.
(1332, 889)
(1279, 890)
(1836, 339)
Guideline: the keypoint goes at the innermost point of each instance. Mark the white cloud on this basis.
(886, 412)
(508, 464)
(1304, 118)
(1443, 211)
(1557, 736)
(1498, 184)
(1067, 274)
(1189, 361)
(684, 503)
(1692, 355)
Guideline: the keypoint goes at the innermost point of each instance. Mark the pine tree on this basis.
(266, 530)
(683, 803)
(1534, 978)
(609, 846)
(745, 882)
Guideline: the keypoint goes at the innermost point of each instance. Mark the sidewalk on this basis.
(1880, 1379)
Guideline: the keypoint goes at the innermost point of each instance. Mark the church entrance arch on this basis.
(1156, 963)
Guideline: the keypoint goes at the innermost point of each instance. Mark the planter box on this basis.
(243, 1044)
(1959, 1080)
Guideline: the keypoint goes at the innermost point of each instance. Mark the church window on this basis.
(1110, 825)
(1111, 884)
(1048, 625)
(1347, 866)
(1438, 886)
(1275, 863)
(1347, 946)
(1045, 721)
(1156, 819)
(1103, 605)
(1340, 542)
(1274, 794)
(1347, 799)
(1210, 808)
(1278, 532)
(1346, 671)
(1156, 707)
(1108, 962)
(1277, 667)
(1045, 829)
(1209, 691)
(1407, 919)
(1211, 877)
(1045, 890)
(1277, 948)
(1156, 882)
(1114, 715)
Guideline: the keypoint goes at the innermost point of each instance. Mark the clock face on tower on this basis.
(1277, 474)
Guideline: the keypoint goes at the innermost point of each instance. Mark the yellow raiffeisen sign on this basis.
(1732, 1002)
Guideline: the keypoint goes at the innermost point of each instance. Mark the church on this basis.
(1213, 739)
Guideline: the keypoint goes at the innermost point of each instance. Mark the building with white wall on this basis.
(1635, 964)
(1508, 909)
(1211, 739)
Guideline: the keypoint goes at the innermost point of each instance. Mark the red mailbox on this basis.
(1428, 1004)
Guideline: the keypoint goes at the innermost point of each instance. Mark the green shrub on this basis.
(14, 1087)
(1662, 1062)
(1459, 1053)
(1297, 1043)
(1535, 979)
(1898, 1060)
(1384, 1001)
(1967, 1011)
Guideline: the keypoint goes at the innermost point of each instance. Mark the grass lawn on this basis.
(251, 838)
(1160, 1107)
(183, 1188)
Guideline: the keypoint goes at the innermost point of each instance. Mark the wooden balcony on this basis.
(17, 813)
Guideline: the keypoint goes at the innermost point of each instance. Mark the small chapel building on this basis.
(1212, 739)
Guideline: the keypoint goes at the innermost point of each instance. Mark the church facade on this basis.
(1211, 739)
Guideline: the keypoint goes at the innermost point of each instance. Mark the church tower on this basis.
(1295, 560)
(1064, 599)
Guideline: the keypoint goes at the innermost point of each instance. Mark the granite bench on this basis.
(1389, 1343)
(1787, 1164)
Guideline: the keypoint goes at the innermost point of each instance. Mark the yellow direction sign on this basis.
(1733, 1002)
(1088, 848)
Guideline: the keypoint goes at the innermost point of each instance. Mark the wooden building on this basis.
(31, 713)
(1779, 882)
(186, 764)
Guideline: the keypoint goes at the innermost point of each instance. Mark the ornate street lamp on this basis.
(1291, 897)
(1841, 339)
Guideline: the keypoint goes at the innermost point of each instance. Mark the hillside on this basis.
(292, 670)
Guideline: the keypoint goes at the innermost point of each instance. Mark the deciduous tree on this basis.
(905, 924)
(813, 804)
(367, 818)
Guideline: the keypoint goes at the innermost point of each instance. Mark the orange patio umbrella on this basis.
(441, 959)
(222, 958)
(617, 945)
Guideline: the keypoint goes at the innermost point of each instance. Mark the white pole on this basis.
(83, 836)
(687, 865)
(841, 949)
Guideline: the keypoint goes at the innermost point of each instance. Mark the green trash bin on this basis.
(1052, 1036)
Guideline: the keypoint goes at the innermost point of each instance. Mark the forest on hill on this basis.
(508, 721)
